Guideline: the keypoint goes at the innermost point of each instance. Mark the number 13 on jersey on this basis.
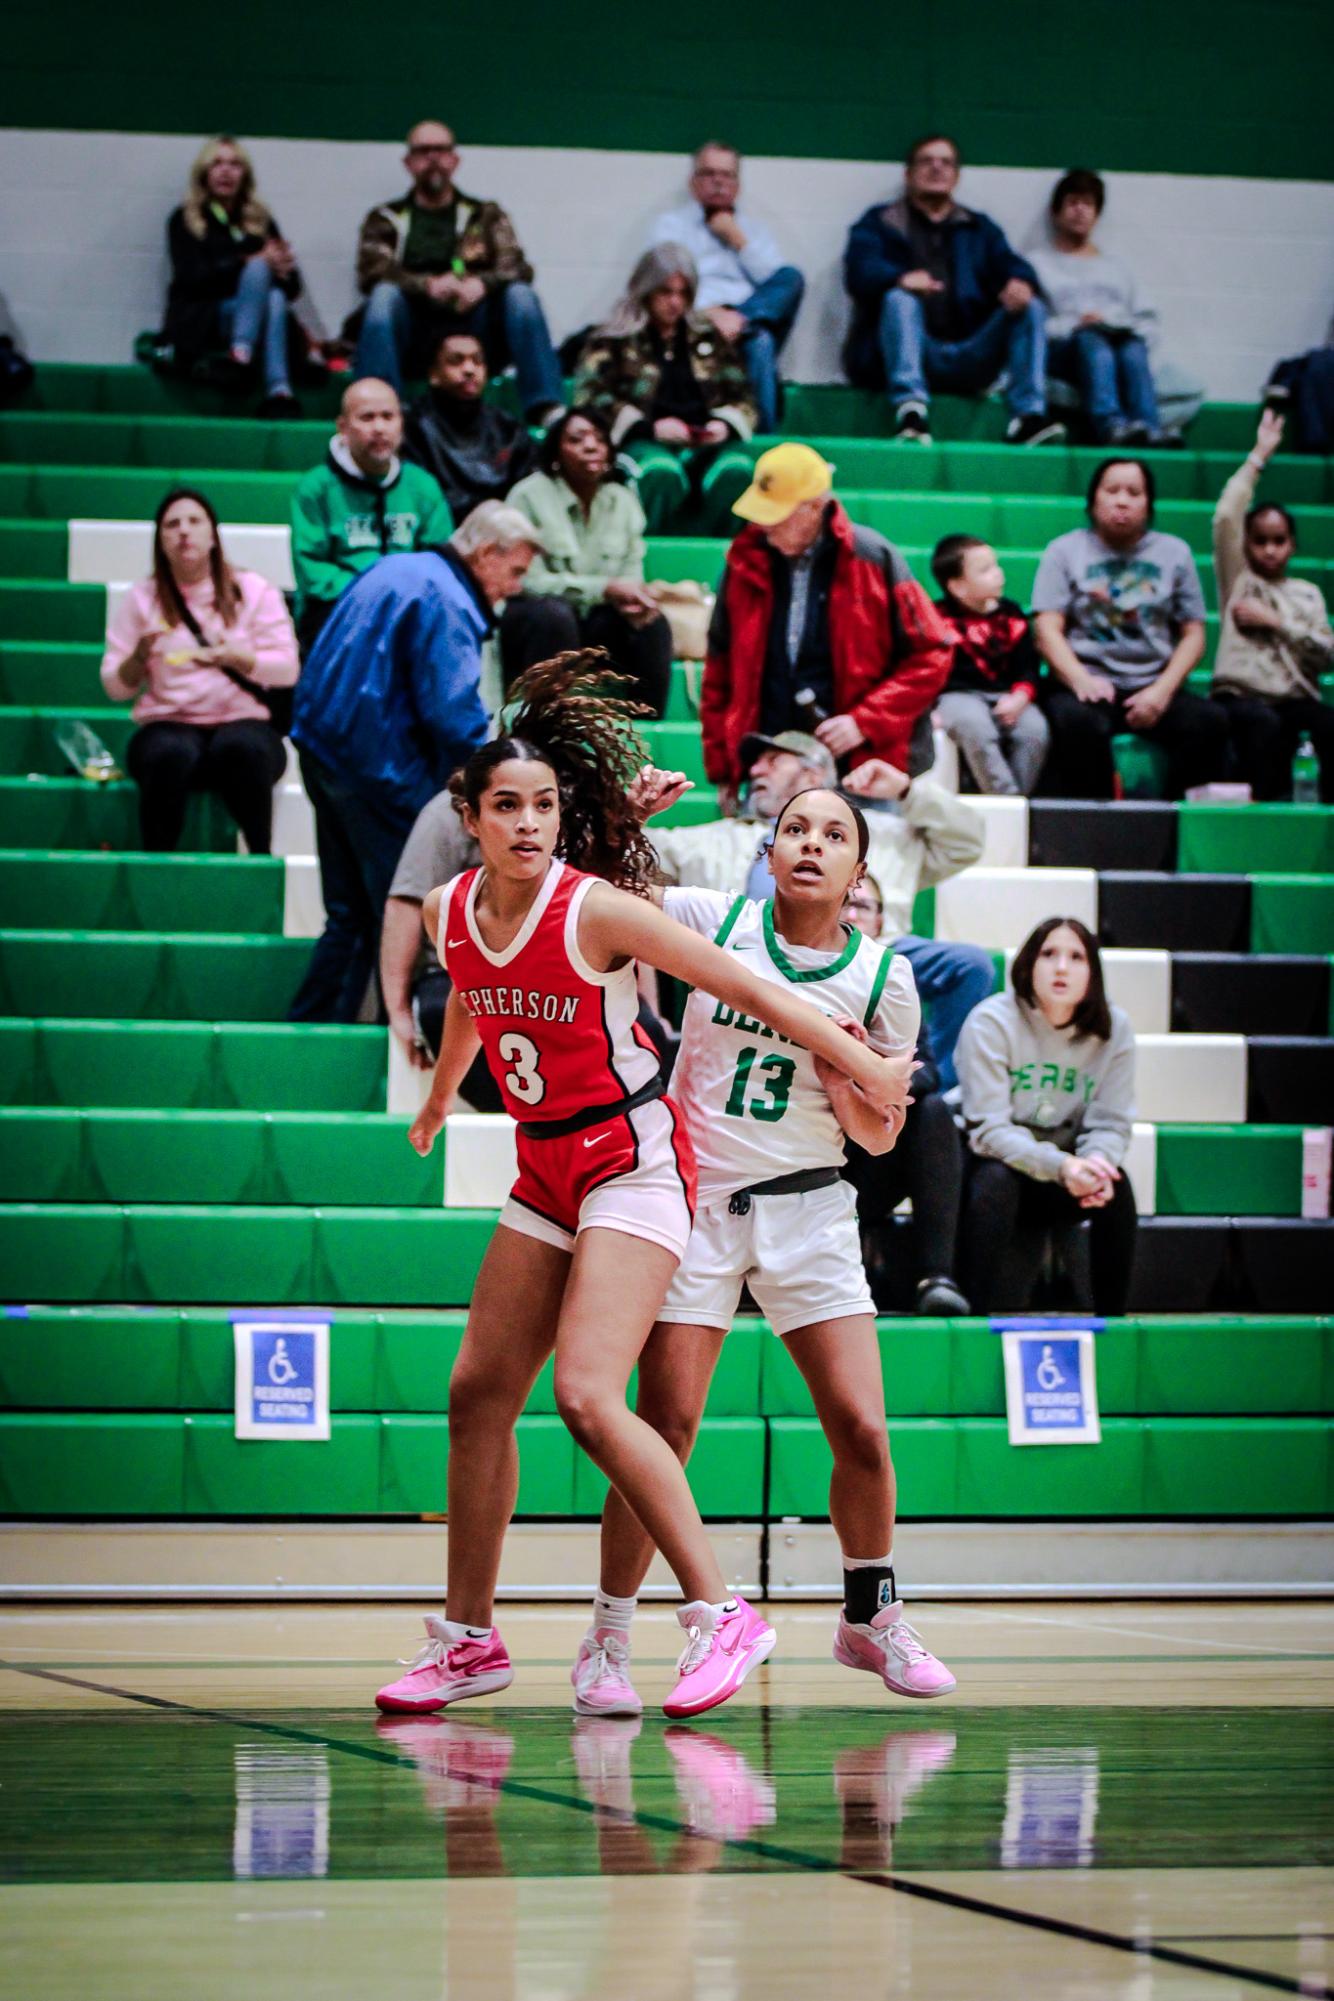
(770, 1098)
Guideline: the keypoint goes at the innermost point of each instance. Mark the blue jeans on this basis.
(509, 322)
(359, 846)
(913, 358)
(771, 309)
(1112, 376)
(255, 318)
(951, 981)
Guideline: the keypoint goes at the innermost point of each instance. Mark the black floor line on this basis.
(1140, 1948)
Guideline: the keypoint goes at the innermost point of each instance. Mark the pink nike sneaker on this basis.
(601, 1676)
(893, 1649)
(446, 1671)
(723, 1797)
(717, 1658)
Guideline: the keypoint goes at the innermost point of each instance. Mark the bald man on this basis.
(435, 261)
(361, 503)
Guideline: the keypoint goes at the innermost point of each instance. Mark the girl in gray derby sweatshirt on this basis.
(1047, 1084)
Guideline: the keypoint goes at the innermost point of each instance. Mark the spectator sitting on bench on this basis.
(989, 707)
(476, 451)
(674, 392)
(362, 503)
(587, 588)
(1119, 619)
(925, 1162)
(1098, 327)
(1047, 1086)
(436, 260)
(195, 646)
(1275, 639)
(233, 276)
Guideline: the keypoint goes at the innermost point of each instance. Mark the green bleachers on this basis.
(181, 976)
(183, 1065)
(162, 1442)
(151, 893)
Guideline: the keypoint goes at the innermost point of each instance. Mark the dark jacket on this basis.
(878, 253)
(619, 376)
(205, 271)
(888, 649)
(993, 650)
(475, 451)
(388, 699)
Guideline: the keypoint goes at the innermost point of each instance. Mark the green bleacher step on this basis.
(240, 1255)
(192, 1064)
(53, 673)
(180, 976)
(92, 891)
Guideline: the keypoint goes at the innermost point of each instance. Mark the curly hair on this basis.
(570, 718)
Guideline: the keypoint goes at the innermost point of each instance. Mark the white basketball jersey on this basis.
(753, 1104)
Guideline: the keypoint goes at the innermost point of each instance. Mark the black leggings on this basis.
(1007, 1217)
(1193, 732)
(241, 762)
(926, 1163)
(1265, 736)
(535, 628)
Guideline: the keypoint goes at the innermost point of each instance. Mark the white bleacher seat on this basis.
(293, 820)
(1007, 829)
(998, 907)
(480, 1162)
(1141, 1165)
(1191, 1079)
(1139, 979)
(406, 1086)
(303, 903)
(945, 770)
(112, 552)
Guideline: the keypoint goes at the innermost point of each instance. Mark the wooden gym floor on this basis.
(1121, 1800)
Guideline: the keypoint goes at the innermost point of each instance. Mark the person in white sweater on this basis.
(1098, 325)
(1274, 640)
(1047, 1087)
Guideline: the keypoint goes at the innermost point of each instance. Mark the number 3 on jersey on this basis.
(524, 1081)
(771, 1101)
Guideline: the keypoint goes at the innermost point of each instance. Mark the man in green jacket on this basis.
(362, 503)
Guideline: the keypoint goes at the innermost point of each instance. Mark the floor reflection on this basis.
(125, 1796)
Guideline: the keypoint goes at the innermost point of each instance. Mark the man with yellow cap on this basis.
(819, 626)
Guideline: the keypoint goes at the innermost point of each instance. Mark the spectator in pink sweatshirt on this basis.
(198, 647)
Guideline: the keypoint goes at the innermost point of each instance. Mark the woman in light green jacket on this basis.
(588, 588)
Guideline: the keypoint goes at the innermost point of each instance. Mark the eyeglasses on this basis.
(420, 152)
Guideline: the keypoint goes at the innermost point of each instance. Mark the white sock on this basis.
(699, 1612)
(612, 1615)
(458, 1632)
(869, 1562)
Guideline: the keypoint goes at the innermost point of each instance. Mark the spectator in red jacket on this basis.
(819, 626)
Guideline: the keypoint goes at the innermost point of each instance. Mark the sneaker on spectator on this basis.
(912, 423)
(940, 1295)
(1035, 429)
(1128, 434)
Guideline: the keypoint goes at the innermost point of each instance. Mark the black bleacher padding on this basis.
(1290, 1080)
(1182, 1265)
(1232, 992)
(1079, 833)
(1284, 1264)
(1179, 913)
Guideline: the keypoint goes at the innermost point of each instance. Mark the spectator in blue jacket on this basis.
(389, 704)
(941, 301)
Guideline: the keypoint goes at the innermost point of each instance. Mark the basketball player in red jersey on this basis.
(541, 951)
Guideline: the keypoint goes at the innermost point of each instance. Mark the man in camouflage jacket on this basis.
(438, 261)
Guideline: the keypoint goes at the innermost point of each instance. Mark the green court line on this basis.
(796, 1859)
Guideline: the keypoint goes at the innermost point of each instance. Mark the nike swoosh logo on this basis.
(453, 944)
(596, 1137)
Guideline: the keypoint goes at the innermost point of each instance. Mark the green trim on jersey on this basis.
(728, 925)
(877, 987)
(785, 965)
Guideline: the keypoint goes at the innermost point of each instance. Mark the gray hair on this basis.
(665, 261)
(493, 525)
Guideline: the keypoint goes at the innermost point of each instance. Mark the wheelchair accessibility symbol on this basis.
(1048, 1374)
(281, 1371)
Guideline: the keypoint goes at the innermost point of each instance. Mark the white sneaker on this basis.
(601, 1676)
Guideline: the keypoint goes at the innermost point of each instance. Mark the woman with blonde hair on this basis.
(674, 392)
(233, 275)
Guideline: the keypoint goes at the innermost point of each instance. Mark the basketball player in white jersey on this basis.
(767, 1122)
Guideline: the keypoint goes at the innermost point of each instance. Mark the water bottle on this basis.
(1306, 774)
(87, 753)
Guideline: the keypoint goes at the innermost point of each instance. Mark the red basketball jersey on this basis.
(558, 1037)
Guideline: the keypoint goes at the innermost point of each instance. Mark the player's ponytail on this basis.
(570, 718)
